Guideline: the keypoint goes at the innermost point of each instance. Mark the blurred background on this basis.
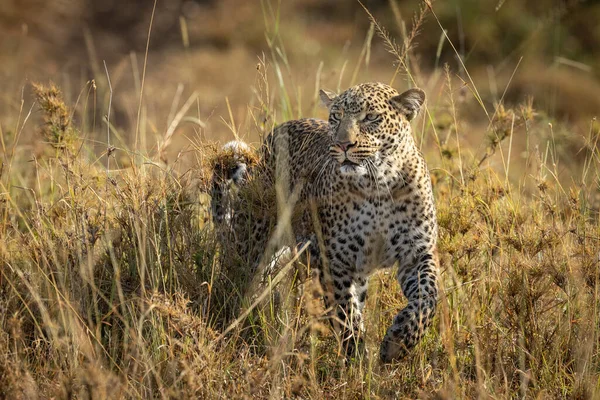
(546, 50)
(104, 223)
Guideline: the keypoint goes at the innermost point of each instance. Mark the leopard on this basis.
(367, 204)
(230, 172)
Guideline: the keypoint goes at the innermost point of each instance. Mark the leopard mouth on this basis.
(351, 168)
(348, 163)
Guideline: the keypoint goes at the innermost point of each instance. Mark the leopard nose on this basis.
(345, 145)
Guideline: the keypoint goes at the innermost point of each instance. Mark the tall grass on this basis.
(114, 283)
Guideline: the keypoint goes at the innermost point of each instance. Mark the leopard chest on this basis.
(361, 232)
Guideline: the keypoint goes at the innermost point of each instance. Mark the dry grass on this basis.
(113, 283)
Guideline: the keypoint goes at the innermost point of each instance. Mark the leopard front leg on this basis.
(419, 284)
(344, 294)
(345, 299)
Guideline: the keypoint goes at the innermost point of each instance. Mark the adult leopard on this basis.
(370, 206)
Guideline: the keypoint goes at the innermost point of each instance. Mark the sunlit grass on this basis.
(115, 284)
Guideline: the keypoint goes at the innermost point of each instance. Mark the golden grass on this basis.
(113, 283)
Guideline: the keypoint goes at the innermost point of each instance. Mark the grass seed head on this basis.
(57, 128)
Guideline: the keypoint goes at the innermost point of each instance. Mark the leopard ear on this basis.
(410, 102)
(327, 97)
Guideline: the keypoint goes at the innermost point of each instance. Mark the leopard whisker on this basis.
(372, 170)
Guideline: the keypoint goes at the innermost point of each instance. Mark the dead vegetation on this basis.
(114, 283)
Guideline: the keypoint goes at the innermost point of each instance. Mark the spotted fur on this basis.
(370, 206)
(229, 173)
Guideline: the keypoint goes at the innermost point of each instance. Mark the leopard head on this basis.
(231, 168)
(368, 122)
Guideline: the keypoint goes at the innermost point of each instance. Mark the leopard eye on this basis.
(370, 117)
(336, 115)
